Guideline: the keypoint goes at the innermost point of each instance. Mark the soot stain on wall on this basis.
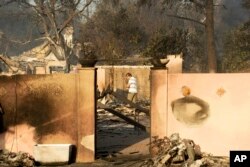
(190, 110)
(38, 106)
(36, 103)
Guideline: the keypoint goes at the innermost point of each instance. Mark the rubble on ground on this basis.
(19, 159)
(127, 110)
(177, 152)
(114, 134)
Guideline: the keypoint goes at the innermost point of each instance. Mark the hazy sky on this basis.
(225, 19)
(232, 16)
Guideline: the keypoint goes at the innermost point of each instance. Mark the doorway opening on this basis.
(122, 127)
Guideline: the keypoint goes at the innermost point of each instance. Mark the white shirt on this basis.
(132, 85)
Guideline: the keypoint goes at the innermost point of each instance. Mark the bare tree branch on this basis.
(6, 2)
(25, 42)
(53, 16)
(52, 19)
(8, 61)
(221, 5)
(67, 21)
(198, 3)
(185, 18)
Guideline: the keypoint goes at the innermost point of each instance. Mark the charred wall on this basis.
(44, 109)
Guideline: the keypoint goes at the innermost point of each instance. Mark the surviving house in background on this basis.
(38, 60)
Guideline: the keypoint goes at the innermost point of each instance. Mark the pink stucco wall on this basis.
(228, 124)
(158, 102)
(101, 80)
(49, 109)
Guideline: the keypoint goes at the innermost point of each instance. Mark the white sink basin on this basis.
(52, 153)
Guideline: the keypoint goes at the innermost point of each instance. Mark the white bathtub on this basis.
(57, 154)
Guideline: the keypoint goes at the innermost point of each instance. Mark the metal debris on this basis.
(174, 151)
(20, 159)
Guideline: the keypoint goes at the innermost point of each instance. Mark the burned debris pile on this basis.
(20, 159)
(177, 152)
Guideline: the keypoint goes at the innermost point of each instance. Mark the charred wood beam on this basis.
(125, 118)
(134, 105)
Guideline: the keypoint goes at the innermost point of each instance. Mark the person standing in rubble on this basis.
(132, 87)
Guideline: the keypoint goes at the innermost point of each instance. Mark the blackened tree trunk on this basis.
(211, 53)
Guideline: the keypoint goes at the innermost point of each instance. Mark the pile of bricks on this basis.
(177, 152)
(20, 159)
